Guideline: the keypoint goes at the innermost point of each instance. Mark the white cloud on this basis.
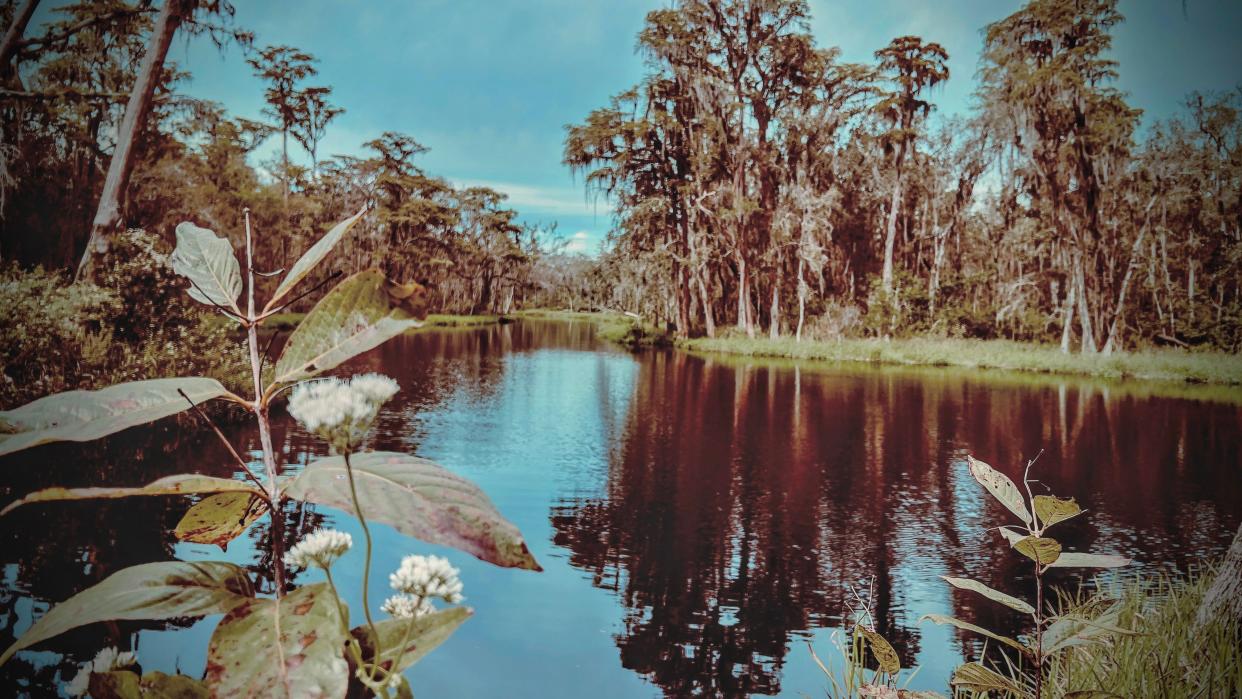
(530, 199)
(578, 242)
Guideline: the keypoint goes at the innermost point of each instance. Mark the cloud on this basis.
(535, 200)
(578, 242)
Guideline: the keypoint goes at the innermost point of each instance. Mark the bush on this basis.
(134, 323)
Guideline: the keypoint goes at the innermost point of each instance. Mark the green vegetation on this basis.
(289, 321)
(1152, 364)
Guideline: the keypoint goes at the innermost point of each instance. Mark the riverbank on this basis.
(1148, 365)
(614, 327)
(289, 321)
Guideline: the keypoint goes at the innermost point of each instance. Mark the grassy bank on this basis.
(613, 327)
(289, 321)
(1158, 365)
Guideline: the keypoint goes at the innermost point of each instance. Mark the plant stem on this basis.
(265, 432)
(366, 569)
(1039, 631)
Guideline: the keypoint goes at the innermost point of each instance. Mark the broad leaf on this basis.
(1070, 559)
(209, 263)
(883, 651)
(290, 647)
(1012, 535)
(157, 685)
(220, 518)
(1050, 510)
(994, 595)
(117, 684)
(420, 499)
(425, 634)
(181, 484)
(1001, 488)
(80, 416)
(967, 626)
(162, 590)
(312, 257)
(978, 678)
(1042, 550)
(357, 315)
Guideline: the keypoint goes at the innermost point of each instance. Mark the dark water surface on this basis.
(699, 519)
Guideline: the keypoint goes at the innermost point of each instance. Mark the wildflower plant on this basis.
(309, 623)
(1051, 631)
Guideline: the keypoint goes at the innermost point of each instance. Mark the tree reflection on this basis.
(745, 500)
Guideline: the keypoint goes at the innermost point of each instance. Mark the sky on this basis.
(490, 86)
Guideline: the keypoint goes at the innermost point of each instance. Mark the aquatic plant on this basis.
(299, 641)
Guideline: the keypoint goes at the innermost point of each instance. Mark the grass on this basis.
(1156, 365)
(613, 327)
(289, 321)
(1167, 657)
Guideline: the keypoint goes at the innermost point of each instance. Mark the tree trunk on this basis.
(890, 232)
(108, 215)
(709, 317)
(774, 315)
(14, 36)
(1084, 308)
(1067, 329)
(1113, 340)
(801, 301)
(1224, 597)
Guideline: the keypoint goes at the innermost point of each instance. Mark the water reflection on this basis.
(698, 517)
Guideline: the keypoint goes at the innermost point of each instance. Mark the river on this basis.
(699, 519)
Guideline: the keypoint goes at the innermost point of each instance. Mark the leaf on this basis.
(357, 315)
(80, 416)
(180, 484)
(1050, 510)
(1071, 559)
(1001, 488)
(157, 685)
(220, 518)
(117, 684)
(994, 595)
(967, 626)
(209, 263)
(1042, 550)
(290, 647)
(1012, 535)
(312, 257)
(978, 678)
(426, 633)
(162, 590)
(1069, 631)
(883, 651)
(420, 499)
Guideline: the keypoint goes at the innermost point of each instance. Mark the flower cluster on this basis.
(321, 548)
(106, 660)
(341, 411)
(426, 577)
(407, 607)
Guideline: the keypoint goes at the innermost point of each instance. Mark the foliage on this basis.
(299, 643)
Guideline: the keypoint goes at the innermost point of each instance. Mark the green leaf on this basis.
(1042, 550)
(220, 518)
(1012, 535)
(290, 647)
(312, 257)
(162, 590)
(1001, 488)
(967, 626)
(883, 651)
(117, 684)
(426, 633)
(157, 685)
(994, 595)
(1069, 631)
(1071, 559)
(1050, 510)
(354, 317)
(207, 261)
(420, 499)
(181, 484)
(80, 416)
(978, 678)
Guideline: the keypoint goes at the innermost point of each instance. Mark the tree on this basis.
(913, 66)
(283, 67)
(316, 113)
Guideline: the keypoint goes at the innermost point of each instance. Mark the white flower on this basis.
(320, 548)
(407, 607)
(426, 577)
(341, 411)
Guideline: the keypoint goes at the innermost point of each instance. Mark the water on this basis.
(699, 519)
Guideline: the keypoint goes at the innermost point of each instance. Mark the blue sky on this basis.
(489, 86)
